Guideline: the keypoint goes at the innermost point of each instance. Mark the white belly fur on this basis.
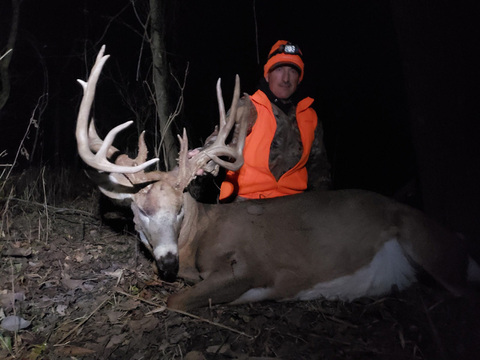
(388, 267)
(254, 295)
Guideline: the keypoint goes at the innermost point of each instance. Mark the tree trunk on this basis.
(160, 73)
(5, 58)
(438, 42)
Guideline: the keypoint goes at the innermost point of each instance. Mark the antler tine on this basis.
(89, 141)
(229, 156)
(221, 104)
(226, 127)
(95, 143)
(189, 167)
(186, 174)
(219, 147)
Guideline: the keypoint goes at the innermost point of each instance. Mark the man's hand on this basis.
(210, 167)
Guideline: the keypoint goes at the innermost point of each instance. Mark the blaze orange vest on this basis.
(254, 179)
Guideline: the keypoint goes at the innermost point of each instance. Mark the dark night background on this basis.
(396, 83)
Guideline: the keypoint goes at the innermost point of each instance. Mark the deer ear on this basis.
(114, 186)
(120, 196)
(109, 180)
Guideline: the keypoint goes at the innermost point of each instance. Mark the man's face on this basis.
(283, 81)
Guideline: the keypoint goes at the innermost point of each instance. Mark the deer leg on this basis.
(189, 274)
(188, 270)
(441, 253)
(218, 288)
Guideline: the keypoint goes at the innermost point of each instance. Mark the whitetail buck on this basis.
(336, 244)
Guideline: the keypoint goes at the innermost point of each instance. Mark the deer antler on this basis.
(229, 156)
(97, 153)
(94, 151)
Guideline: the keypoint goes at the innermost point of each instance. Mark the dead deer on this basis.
(334, 244)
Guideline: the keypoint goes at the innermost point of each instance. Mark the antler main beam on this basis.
(94, 151)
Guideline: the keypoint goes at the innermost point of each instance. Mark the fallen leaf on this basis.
(116, 274)
(71, 283)
(144, 325)
(8, 299)
(116, 340)
(114, 316)
(127, 305)
(14, 323)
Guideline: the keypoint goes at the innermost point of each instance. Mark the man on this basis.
(284, 151)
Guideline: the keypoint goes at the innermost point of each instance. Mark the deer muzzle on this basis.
(168, 267)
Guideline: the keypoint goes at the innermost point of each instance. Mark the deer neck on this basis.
(193, 225)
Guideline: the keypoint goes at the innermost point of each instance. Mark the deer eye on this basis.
(143, 216)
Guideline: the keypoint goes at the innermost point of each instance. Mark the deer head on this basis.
(156, 197)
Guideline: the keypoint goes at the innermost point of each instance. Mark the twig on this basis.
(8, 51)
(45, 206)
(187, 314)
(340, 321)
(25, 137)
(5, 212)
(256, 29)
(13, 288)
(82, 322)
(13, 299)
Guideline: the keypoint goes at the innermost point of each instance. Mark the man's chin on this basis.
(283, 95)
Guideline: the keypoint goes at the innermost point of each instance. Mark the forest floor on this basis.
(81, 287)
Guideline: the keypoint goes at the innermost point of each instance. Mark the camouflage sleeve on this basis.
(318, 166)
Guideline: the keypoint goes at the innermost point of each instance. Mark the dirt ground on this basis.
(85, 289)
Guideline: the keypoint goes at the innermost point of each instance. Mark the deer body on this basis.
(336, 244)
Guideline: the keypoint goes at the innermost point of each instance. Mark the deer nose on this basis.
(168, 267)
